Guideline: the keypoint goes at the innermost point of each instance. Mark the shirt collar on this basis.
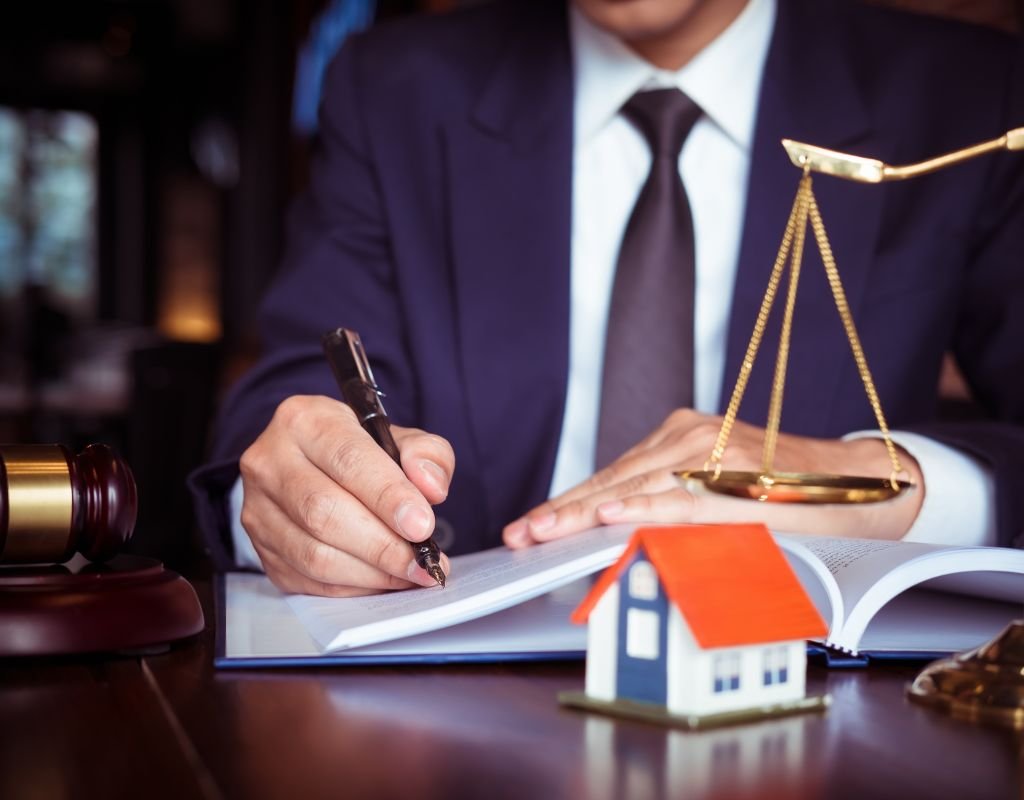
(723, 79)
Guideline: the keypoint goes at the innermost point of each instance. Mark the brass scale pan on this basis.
(793, 487)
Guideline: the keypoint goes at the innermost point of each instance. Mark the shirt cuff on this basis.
(245, 554)
(959, 493)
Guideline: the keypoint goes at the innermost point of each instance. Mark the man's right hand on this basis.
(329, 512)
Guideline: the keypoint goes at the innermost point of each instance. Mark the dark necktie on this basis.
(648, 361)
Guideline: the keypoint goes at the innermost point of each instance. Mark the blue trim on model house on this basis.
(644, 679)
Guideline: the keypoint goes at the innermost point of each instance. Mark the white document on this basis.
(479, 584)
(877, 597)
(263, 630)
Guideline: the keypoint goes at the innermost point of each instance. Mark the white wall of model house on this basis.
(692, 670)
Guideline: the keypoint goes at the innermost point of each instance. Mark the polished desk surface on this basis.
(168, 725)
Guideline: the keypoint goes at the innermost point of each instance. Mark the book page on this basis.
(540, 625)
(930, 622)
(872, 572)
(479, 584)
(258, 623)
(814, 575)
(261, 626)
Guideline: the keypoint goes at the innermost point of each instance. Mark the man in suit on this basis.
(465, 205)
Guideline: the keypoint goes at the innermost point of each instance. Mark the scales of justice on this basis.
(767, 485)
(982, 685)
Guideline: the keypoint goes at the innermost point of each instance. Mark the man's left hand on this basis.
(641, 486)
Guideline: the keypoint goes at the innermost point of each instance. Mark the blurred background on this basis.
(148, 152)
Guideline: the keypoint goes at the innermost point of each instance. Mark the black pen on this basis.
(348, 361)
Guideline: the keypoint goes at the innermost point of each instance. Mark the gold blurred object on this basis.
(39, 502)
(871, 170)
(985, 685)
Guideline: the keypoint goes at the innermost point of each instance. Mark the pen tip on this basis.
(437, 574)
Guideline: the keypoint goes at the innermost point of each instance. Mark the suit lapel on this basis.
(509, 168)
(827, 111)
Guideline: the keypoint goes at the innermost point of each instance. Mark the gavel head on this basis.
(54, 504)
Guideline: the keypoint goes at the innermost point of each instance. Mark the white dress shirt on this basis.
(610, 164)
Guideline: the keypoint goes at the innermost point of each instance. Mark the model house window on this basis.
(643, 581)
(642, 633)
(726, 669)
(776, 665)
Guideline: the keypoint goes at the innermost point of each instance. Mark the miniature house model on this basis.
(699, 621)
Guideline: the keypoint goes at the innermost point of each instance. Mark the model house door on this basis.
(643, 634)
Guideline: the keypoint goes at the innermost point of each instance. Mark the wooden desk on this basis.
(169, 726)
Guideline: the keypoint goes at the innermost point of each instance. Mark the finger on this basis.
(330, 437)
(565, 513)
(684, 440)
(288, 579)
(516, 534)
(544, 515)
(672, 505)
(660, 451)
(428, 461)
(331, 562)
(321, 513)
(580, 514)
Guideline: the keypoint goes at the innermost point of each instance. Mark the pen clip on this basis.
(351, 368)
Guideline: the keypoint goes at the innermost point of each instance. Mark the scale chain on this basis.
(759, 328)
(771, 434)
(805, 207)
(851, 334)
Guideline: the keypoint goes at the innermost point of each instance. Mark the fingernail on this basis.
(516, 532)
(544, 523)
(413, 521)
(417, 574)
(436, 475)
(611, 509)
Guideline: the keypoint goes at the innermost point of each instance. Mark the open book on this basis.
(879, 598)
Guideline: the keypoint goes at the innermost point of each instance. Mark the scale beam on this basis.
(871, 170)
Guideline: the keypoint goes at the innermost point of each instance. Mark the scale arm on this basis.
(871, 170)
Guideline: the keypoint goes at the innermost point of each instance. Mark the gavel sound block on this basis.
(54, 505)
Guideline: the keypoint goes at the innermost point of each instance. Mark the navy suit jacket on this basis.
(437, 224)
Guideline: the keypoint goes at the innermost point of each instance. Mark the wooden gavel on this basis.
(54, 504)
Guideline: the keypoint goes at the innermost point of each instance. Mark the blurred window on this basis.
(48, 195)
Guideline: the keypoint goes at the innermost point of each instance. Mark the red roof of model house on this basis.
(731, 583)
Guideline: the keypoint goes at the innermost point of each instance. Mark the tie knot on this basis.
(665, 118)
